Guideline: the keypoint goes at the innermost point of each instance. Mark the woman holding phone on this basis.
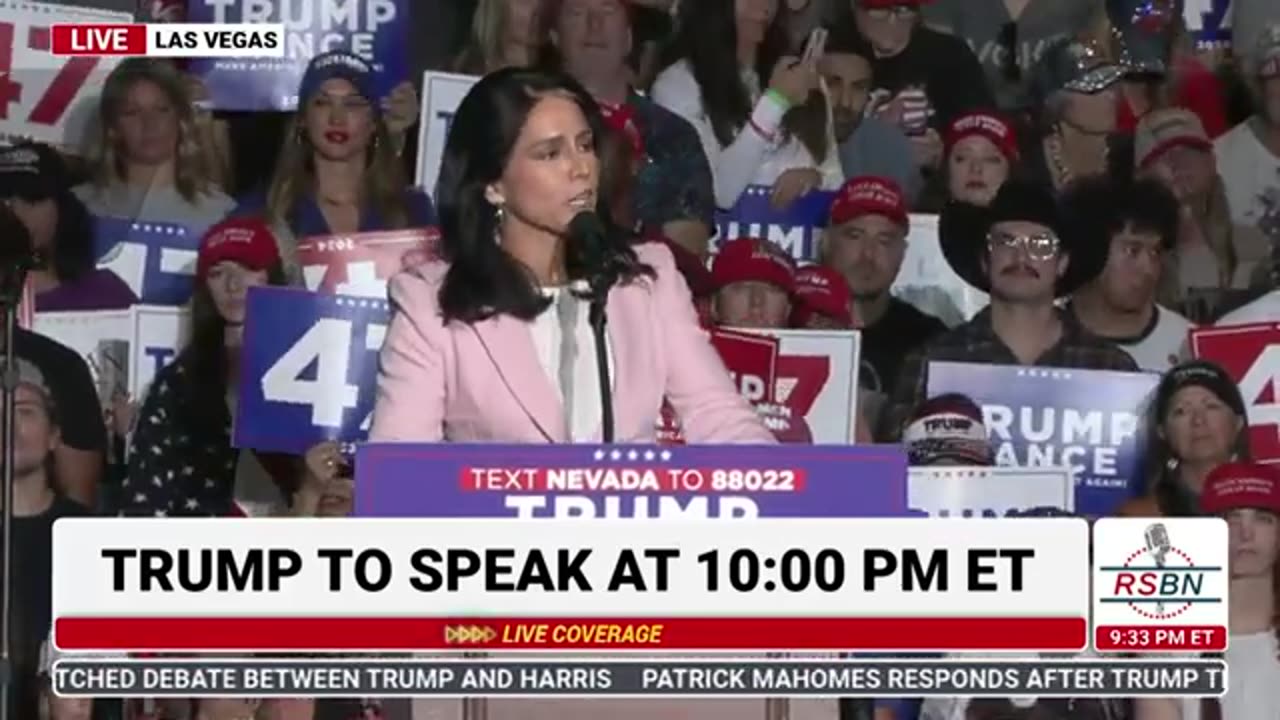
(759, 113)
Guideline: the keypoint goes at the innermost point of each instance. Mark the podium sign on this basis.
(630, 482)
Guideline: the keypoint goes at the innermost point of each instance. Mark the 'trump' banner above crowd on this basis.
(376, 30)
(1085, 419)
(316, 359)
(580, 481)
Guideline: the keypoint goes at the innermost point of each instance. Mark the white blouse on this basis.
(752, 158)
(1253, 680)
(586, 413)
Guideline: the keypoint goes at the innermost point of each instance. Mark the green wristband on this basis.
(779, 98)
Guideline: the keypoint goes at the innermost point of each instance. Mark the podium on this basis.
(720, 482)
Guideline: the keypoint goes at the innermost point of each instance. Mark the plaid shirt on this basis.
(976, 342)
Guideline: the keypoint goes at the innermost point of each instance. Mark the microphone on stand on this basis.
(17, 257)
(588, 234)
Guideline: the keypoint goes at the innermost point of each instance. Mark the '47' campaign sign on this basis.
(1251, 356)
(42, 96)
(316, 358)
(156, 260)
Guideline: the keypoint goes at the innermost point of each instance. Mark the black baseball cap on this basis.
(31, 170)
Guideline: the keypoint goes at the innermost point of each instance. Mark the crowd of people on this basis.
(1107, 183)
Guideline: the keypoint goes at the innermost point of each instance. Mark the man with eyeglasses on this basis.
(1016, 250)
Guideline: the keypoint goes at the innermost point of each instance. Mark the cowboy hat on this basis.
(963, 229)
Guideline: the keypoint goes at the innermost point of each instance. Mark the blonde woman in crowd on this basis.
(504, 33)
(148, 156)
(1212, 254)
(338, 171)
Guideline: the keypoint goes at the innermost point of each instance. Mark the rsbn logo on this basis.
(1158, 580)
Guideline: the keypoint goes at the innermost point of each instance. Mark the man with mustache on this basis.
(868, 144)
(1019, 252)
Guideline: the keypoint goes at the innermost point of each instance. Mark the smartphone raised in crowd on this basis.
(815, 46)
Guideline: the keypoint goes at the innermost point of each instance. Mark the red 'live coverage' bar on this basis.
(683, 633)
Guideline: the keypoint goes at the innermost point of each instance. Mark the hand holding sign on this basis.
(360, 264)
(317, 357)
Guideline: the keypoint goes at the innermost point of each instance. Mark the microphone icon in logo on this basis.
(1158, 546)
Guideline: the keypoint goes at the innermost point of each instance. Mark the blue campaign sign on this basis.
(633, 482)
(796, 228)
(1209, 22)
(316, 359)
(1088, 420)
(376, 30)
(156, 260)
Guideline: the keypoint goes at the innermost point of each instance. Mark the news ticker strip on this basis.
(639, 678)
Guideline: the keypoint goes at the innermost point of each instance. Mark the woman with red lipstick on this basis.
(338, 171)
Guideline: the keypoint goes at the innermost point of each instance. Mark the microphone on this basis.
(1158, 545)
(588, 233)
(1158, 542)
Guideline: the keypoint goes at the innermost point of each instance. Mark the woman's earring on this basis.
(499, 215)
(1171, 464)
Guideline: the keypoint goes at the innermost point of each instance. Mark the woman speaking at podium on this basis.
(500, 340)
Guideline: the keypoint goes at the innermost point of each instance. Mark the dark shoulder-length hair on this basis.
(483, 278)
(205, 358)
(73, 255)
(707, 38)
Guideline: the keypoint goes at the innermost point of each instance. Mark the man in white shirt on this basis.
(1249, 154)
(1135, 224)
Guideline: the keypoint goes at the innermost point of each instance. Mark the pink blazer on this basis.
(482, 382)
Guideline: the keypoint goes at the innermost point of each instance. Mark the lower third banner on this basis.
(690, 481)
(316, 357)
(1084, 419)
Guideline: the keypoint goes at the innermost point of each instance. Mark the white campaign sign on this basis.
(154, 335)
(441, 95)
(45, 97)
(832, 408)
(928, 282)
(158, 334)
(970, 491)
